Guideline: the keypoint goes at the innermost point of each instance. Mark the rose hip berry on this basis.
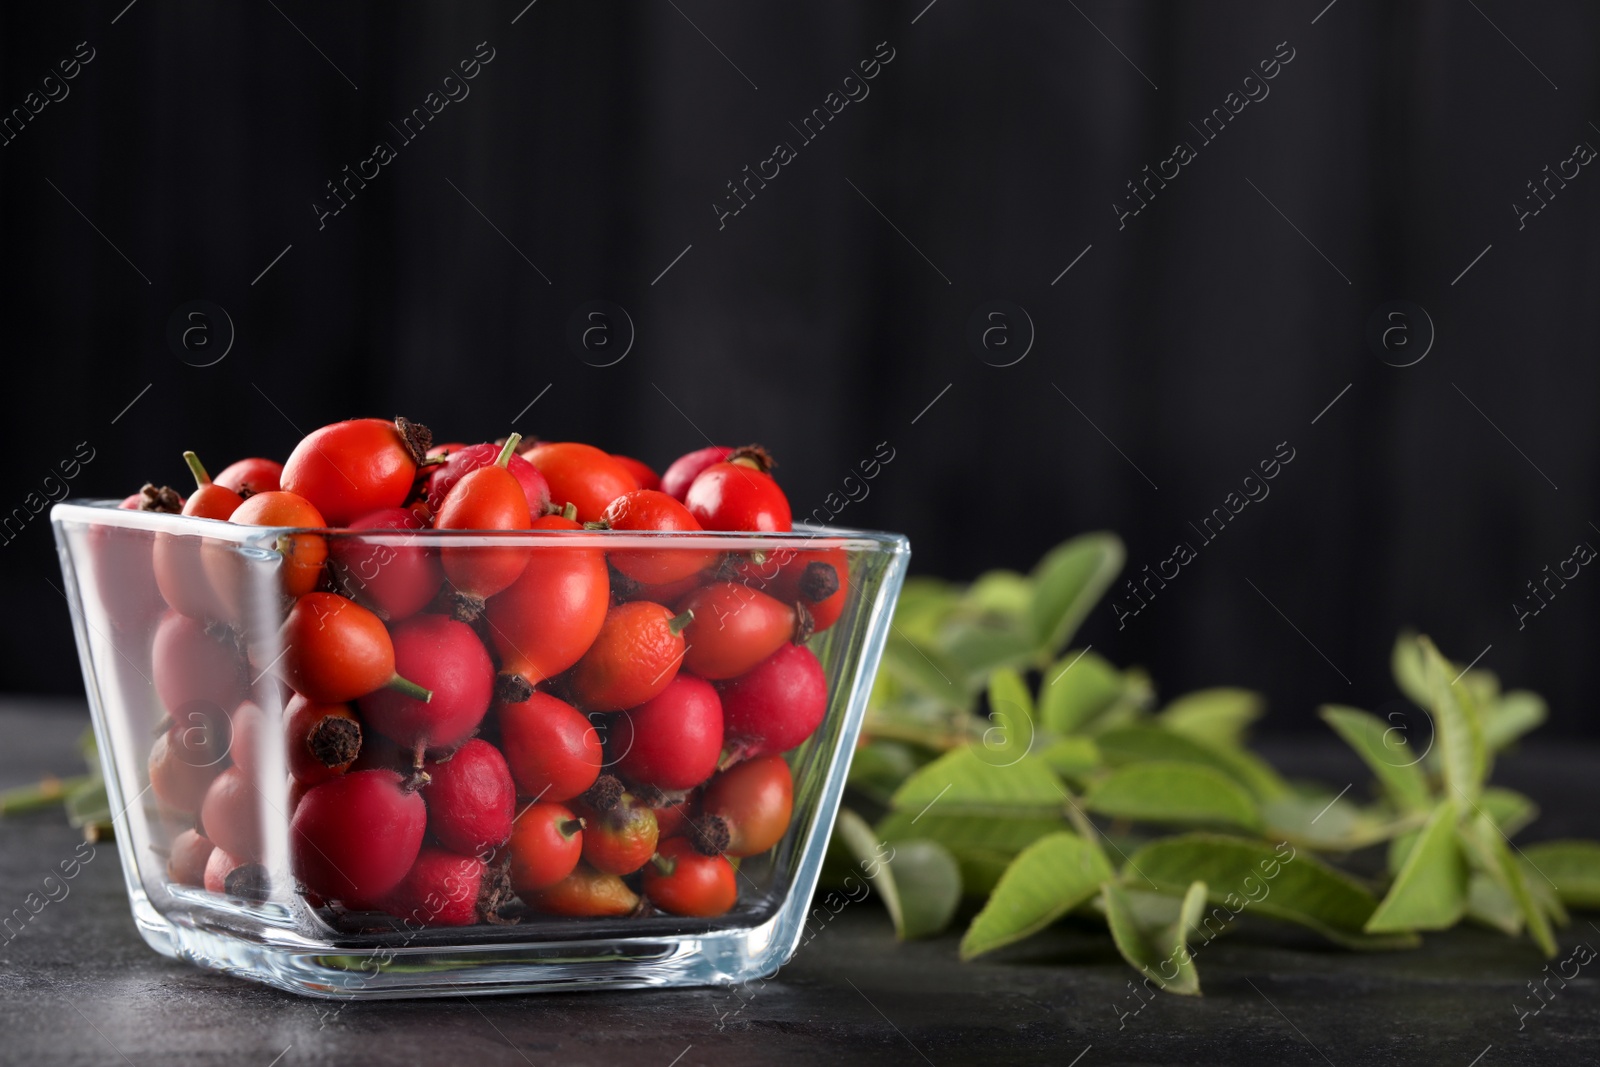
(739, 494)
(186, 862)
(673, 740)
(230, 815)
(471, 799)
(445, 889)
(550, 615)
(355, 837)
(189, 663)
(546, 844)
(585, 892)
(176, 557)
(676, 479)
(752, 801)
(552, 749)
(303, 554)
(581, 475)
(321, 741)
(642, 472)
(814, 577)
(235, 876)
(336, 650)
(465, 459)
(734, 628)
(349, 469)
(777, 705)
(620, 838)
(446, 658)
(635, 656)
(683, 881)
(654, 511)
(489, 498)
(247, 477)
(395, 581)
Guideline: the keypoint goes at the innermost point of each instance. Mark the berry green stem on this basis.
(508, 450)
(201, 478)
(409, 688)
(679, 622)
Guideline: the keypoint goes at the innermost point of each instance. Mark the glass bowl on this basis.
(168, 691)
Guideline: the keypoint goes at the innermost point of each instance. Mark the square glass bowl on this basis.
(156, 677)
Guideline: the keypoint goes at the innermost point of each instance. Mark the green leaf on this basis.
(1072, 757)
(1329, 823)
(1000, 593)
(1509, 809)
(1386, 754)
(1296, 887)
(1154, 951)
(1077, 689)
(1489, 904)
(1511, 716)
(87, 803)
(917, 880)
(1493, 853)
(1165, 791)
(878, 768)
(1399, 848)
(1544, 893)
(1410, 670)
(1574, 867)
(1213, 716)
(968, 779)
(1050, 878)
(928, 882)
(1068, 582)
(1126, 745)
(1430, 892)
(959, 832)
(1011, 733)
(1456, 728)
(976, 645)
(927, 671)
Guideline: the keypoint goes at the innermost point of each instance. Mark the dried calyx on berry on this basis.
(164, 499)
(511, 688)
(335, 741)
(819, 581)
(248, 881)
(709, 834)
(805, 624)
(418, 438)
(605, 794)
(753, 456)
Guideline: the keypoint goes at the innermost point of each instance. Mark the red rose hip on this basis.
(355, 837)
(471, 799)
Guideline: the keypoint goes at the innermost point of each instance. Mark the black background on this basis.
(827, 315)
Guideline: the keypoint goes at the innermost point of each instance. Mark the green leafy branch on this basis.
(1028, 781)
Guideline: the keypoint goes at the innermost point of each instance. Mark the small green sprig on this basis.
(1033, 781)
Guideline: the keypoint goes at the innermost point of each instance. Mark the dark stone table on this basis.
(78, 985)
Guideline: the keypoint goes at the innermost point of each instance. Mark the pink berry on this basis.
(443, 656)
(441, 889)
(672, 741)
(463, 461)
(471, 799)
(395, 580)
(676, 479)
(777, 705)
(354, 837)
(186, 862)
(231, 814)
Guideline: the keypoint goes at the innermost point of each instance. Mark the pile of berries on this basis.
(506, 725)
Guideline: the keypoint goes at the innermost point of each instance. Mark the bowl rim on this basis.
(104, 512)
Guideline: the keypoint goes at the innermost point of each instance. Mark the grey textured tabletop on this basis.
(79, 986)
